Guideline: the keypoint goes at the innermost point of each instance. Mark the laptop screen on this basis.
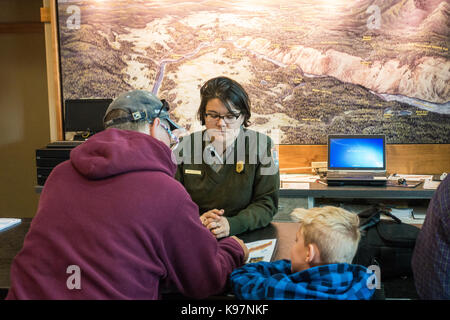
(356, 152)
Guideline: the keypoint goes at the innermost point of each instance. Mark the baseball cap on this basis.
(142, 106)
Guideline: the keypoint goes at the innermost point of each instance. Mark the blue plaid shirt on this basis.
(431, 258)
(274, 280)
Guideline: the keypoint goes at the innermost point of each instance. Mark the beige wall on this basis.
(24, 114)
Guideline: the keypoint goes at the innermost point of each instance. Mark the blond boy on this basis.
(320, 265)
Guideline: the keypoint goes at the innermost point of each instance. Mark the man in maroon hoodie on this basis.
(113, 223)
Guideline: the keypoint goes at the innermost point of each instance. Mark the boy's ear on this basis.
(313, 254)
(309, 253)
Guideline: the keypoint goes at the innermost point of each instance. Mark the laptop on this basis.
(356, 160)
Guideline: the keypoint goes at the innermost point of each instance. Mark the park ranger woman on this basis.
(230, 172)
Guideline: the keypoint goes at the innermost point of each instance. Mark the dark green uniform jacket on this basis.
(246, 187)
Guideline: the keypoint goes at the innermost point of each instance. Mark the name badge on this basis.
(198, 172)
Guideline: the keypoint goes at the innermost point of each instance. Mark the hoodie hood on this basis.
(113, 151)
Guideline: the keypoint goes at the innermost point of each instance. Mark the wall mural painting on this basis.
(311, 67)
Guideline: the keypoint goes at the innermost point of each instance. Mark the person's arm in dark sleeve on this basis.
(258, 281)
(197, 264)
(264, 205)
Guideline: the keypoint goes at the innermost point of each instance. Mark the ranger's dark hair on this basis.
(229, 92)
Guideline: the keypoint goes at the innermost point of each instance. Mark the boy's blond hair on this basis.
(334, 230)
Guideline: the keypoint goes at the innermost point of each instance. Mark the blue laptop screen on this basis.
(356, 153)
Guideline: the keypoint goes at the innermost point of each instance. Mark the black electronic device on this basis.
(356, 160)
(85, 115)
(49, 157)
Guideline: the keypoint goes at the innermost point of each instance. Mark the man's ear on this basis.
(154, 126)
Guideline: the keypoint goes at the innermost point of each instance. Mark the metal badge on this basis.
(239, 166)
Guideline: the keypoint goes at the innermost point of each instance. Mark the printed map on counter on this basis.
(261, 250)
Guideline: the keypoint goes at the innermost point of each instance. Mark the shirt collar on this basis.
(212, 150)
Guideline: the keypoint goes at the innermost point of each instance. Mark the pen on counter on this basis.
(321, 182)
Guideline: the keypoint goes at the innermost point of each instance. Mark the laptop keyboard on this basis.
(355, 176)
(346, 176)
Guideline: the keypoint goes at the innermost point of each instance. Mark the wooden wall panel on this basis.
(21, 27)
(48, 13)
(298, 158)
(418, 158)
(57, 115)
(401, 158)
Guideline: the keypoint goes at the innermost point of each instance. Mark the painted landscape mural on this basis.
(311, 67)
